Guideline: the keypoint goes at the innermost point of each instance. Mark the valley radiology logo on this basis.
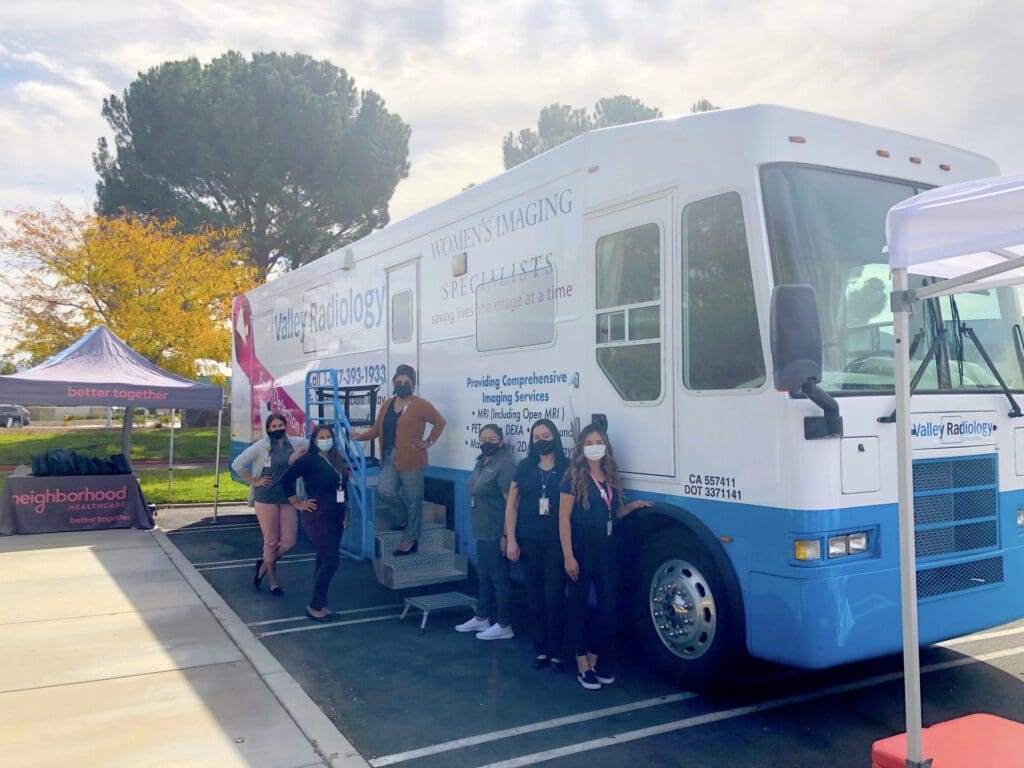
(954, 429)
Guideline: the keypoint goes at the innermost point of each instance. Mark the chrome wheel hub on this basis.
(683, 609)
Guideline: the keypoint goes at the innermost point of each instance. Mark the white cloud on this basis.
(464, 74)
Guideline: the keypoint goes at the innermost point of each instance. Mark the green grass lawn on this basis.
(191, 486)
(17, 445)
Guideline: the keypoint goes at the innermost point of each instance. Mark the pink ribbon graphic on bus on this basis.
(265, 395)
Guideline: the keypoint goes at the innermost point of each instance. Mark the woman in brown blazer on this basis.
(400, 425)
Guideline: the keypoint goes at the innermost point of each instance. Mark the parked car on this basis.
(14, 416)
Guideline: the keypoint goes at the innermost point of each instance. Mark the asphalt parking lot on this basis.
(446, 699)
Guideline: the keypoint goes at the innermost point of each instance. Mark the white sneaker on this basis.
(473, 625)
(496, 632)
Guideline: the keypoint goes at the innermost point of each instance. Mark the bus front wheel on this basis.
(685, 619)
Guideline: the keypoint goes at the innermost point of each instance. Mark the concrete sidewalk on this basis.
(114, 651)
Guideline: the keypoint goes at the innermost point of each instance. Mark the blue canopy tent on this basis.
(100, 369)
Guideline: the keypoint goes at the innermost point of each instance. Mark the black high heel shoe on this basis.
(258, 577)
(410, 551)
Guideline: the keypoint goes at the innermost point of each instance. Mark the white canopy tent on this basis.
(972, 236)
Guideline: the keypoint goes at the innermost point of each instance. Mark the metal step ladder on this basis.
(368, 534)
(435, 561)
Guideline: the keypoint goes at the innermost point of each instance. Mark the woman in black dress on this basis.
(324, 511)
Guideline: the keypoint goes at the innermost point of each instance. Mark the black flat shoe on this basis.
(557, 665)
(410, 551)
(540, 661)
(257, 578)
(314, 617)
(276, 591)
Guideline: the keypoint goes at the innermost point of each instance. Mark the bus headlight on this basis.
(847, 544)
(807, 549)
(838, 546)
(858, 542)
(1020, 517)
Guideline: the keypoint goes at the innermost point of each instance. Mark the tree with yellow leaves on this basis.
(167, 294)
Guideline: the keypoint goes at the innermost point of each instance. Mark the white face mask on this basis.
(325, 445)
(594, 452)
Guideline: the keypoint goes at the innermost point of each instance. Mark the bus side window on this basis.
(401, 316)
(721, 339)
(628, 333)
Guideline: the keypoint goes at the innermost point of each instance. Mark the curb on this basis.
(202, 505)
(326, 739)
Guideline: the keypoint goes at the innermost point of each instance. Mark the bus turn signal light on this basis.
(807, 549)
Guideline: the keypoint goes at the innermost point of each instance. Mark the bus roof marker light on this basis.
(915, 159)
(944, 166)
(807, 549)
(882, 152)
(798, 139)
(594, 169)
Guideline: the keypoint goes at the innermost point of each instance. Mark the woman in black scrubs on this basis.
(324, 511)
(591, 503)
(531, 524)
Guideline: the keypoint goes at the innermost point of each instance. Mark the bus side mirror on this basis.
(795, 337)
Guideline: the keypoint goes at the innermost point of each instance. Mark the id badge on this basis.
(544, 506)
(341, 496)
(472, 501)
(609, 526)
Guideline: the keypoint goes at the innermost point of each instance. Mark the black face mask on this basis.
(277, 434)
(403, 390)
(544, 447)
(489, 449)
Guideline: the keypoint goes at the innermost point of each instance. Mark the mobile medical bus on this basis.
(627, 278)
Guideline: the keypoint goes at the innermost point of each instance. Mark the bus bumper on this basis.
(815, 623)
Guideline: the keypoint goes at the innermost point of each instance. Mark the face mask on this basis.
(403, 390)
(277, 434)
(594, 452)
(544, 447)
(325, 445)
(489, 449)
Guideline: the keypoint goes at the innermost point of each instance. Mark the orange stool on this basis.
(974, 741)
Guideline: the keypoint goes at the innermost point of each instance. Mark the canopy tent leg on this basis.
(908, 559)
(216, 464)
(170, 463)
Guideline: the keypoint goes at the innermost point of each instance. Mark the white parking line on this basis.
(219, 527)
(326, 625)
(249, 564)
(336, 613)
(250, 560)
(557, 722)
(728, 714)
(981, 636)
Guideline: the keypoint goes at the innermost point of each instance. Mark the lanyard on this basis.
(606, 494)
(544, 481)
(334, 468)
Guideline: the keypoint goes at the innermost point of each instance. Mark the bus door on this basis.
(403, 317)
(629, 379)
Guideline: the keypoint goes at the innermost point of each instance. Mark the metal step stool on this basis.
(439, 602)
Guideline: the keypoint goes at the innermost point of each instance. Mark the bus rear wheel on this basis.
(685, 617)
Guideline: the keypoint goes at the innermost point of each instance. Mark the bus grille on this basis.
(959, 578)
(956, 513)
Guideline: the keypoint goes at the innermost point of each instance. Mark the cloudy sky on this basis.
(462, 74)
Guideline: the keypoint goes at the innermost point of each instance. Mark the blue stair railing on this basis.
(327, 401)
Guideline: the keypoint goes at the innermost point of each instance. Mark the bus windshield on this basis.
(826, 228)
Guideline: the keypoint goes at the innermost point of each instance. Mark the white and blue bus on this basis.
(627, 276)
